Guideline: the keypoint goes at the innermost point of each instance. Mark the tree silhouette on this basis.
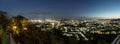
(20, 17)
(3, 19)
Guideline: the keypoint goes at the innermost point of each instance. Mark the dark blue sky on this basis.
(38, 8)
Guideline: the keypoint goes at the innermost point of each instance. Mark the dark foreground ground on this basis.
(51, 38)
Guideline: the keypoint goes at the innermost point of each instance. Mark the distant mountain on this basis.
(115, 19)
(118, 19)
(64, 17)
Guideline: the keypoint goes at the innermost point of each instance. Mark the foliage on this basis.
(3, 19)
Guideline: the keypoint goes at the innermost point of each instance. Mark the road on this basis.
(116, 40)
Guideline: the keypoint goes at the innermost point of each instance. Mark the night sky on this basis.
(37, 8)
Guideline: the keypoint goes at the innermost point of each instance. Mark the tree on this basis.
(3, 23)
(3, 19)
(17, 25)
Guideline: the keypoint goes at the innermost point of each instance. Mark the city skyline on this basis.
(39, 8)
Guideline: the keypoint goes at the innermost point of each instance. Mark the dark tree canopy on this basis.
(3, 19)
(19, 17)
